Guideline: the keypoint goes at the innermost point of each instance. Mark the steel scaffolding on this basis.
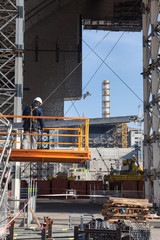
(11, 64)
(8, 15)
(151, 83)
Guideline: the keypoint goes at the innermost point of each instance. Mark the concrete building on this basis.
(102, 161)
(134, 137)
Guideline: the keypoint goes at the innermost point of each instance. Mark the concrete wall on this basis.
(98, 168)
(53, 45)
(52, 51)
(110, 157)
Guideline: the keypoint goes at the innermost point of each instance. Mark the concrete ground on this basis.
(59, 211)
(155, 233)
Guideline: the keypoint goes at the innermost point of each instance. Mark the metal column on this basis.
(19, 89)
(151, 83)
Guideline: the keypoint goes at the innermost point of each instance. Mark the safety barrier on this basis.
(32, 195)
(62, 140)
(11, 220)
(101, 196)
(120, 230)
(75, 220)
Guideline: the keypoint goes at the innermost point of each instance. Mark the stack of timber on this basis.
(116, 209)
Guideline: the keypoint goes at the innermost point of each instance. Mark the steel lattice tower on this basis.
(151, 88)
(11, 67)
(11, 45)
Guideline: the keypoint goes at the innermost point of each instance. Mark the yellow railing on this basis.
(72, 136)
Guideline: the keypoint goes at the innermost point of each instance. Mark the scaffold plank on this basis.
(40, 155)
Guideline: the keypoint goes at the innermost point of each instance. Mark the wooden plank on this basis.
(128, 199)
(128, 208)
(35, 218)
(120, 203)
(112, 220)
(126, 214)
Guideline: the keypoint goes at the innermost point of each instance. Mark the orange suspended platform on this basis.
(71, 152)
(41, 155)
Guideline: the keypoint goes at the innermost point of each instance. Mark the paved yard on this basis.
(59, 210)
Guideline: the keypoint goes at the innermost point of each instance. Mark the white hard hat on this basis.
(38, 99)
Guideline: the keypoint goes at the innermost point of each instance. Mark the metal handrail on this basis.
(4, 159)
(81, 132)
(9, 130)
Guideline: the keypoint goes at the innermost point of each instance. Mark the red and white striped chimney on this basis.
(105, 99)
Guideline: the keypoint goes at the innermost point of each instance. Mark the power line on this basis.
(102, 61)
(68, 94)
(119, 77)
(74, 69)
(83, 59)
(114, 72)
(98, 68)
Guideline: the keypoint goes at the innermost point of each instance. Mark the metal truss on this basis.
(151, 83)
(39, 170)
(35, 170)
(8, 14)
(11, 65)
(124, 135)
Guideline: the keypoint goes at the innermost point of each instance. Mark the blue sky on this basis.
(125, 60)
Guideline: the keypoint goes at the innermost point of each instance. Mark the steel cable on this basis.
(97, 69)
(118, 77)
(84, 60)
(73, 70)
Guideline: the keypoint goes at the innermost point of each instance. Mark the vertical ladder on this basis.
(5, 166)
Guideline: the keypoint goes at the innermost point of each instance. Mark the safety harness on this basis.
(32, 120)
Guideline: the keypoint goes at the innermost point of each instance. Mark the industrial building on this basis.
(41, 53)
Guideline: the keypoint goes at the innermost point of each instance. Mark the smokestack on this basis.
(105, 99)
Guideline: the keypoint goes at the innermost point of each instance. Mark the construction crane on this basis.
(131, 166)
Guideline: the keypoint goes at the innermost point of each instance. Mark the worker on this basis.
(31, 125)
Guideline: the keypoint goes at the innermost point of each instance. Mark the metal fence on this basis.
(126, 230)
(32, 196)
(101, 196)
(90, 232)
(138, 231)
(75, 220)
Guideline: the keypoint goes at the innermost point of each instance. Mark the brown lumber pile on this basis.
(126, 208)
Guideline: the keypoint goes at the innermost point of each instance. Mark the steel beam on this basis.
(92, 121)
(66, 156)
(19, 42)
(151, 83)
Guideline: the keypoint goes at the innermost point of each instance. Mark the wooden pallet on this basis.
(124, 208)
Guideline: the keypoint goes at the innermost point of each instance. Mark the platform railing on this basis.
(60, 134)
(81, 133)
